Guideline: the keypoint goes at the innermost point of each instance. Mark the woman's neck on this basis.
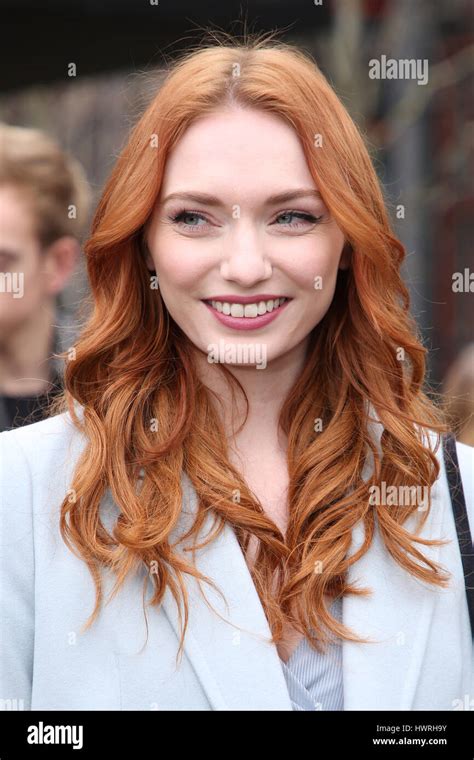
(266, 390)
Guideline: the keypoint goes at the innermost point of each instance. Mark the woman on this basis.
(240, 252)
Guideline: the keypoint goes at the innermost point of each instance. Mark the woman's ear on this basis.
(149, 261)
(346, 256)
(147, 255)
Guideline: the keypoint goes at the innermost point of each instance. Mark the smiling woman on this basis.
(246, 193)
(253, 237)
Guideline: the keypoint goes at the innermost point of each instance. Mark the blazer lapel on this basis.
(237, 666)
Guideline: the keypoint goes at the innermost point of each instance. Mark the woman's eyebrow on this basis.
(212, 200)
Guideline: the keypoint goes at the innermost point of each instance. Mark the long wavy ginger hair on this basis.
(133, 364)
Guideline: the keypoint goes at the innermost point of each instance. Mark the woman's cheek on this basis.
(182, 263)
(180, 271)
(315, 271)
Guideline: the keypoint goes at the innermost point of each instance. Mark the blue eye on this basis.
(180, 217)
(299, 215)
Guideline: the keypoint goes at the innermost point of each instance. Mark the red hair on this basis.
(133, 364)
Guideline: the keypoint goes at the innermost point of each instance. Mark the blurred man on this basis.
(44, 201)
(459, 395)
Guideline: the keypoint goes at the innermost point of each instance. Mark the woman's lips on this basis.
(247, 323)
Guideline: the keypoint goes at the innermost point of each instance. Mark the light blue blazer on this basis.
(422, 658)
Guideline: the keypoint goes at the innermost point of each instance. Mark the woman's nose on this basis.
(246, 260)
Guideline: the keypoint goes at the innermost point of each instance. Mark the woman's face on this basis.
(218, 234)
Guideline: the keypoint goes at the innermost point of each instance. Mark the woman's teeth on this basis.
(247, 310)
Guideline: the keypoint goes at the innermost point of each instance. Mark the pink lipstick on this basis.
(246, 323)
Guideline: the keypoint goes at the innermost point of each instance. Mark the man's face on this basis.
(23, 284)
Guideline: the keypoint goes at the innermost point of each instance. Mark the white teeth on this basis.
(249, 310)
(236, 310)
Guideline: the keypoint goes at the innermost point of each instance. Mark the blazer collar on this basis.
(238, 667)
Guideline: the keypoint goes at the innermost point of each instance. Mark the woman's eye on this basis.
(285, 215)
(189, 220)
(193, 215)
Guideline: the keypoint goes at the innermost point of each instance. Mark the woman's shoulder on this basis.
(39, 436)
(465, 457)
(59, 424)
(465, 461)
(38, 458)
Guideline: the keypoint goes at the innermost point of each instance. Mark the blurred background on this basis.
(83, 71)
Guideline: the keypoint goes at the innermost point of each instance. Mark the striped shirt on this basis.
(314, 679)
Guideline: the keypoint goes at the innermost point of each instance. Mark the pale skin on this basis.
(242, 157)
(26, 322)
